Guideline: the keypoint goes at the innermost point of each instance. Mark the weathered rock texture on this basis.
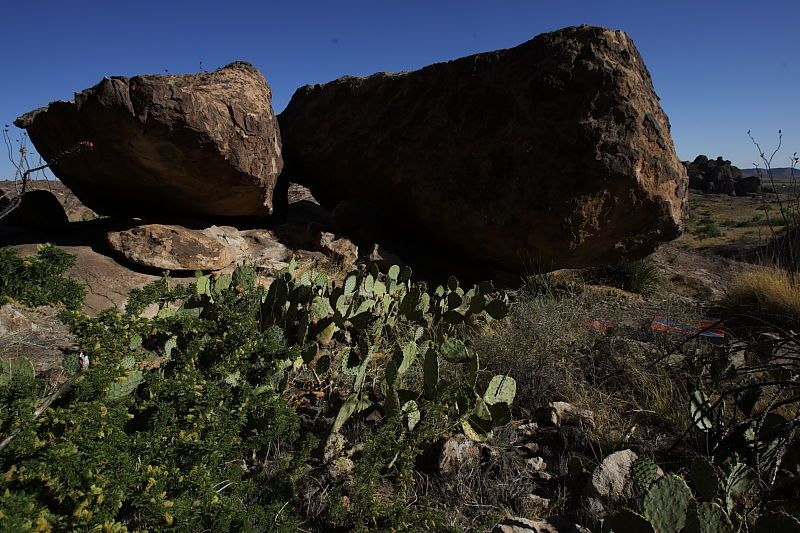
(555, 153)
(196, 144)
(179, 248)
(169, 247)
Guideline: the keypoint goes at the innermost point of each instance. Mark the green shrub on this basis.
(189, 420)
(707, 229)
(641, 276)
(39, 279)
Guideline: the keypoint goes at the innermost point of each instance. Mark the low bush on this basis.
(39, 279)
(640, 276)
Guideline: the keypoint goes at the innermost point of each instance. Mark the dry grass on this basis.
(765, 293)
(550, 348)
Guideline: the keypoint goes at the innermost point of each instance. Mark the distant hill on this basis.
(780, 174)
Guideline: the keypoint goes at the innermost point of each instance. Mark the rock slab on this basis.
(554, 154)
(169, 247)
(195, 144)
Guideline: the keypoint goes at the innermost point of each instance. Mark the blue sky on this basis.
(720, 67)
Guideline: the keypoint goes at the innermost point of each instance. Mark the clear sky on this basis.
(720, 67)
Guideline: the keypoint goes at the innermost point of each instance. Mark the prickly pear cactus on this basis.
(501, 389)
(707, 517)
(125, 385)
(740, 481)
(644, 472)
(626, 521)
(431, 373)
(704, 479)
(666, 502)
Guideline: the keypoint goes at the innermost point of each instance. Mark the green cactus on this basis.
(700, 411)
(350, 284)
(431, 373)
(124, 385)
(704, 479)
(454, 351)
(128, 362)
(497, 309)
(411, 414)
(626, 521)
(245, 276)
(501, 389)
(665, 504)
(644, 472)
(707, 517)
(741, 480)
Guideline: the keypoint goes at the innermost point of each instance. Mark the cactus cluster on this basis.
(669, 505)
(377, 310)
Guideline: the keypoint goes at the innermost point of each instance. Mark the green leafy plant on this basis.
(39, 279)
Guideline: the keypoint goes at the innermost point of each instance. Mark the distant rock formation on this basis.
(552, 154)
(718, 176)
(195, 144)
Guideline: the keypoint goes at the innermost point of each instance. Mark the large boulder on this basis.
(37, 209)
(196, 144)
(554, 154)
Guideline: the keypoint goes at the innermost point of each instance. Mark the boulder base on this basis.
(196, 144)
(553, 154)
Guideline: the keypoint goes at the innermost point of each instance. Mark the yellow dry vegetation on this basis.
(767, 293)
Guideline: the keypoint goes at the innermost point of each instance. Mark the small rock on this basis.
(341, 249)
(557, 413)
(533, 505)
(537, 464)
(611, 480)
(549, 525)
(459, 452)
(532, 447)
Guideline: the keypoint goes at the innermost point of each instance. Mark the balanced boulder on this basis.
(552, 154)
(196, 144)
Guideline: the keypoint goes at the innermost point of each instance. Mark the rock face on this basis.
(196, 144)
(555, 153)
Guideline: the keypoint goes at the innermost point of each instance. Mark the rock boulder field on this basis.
(195, 144)
(552, 154)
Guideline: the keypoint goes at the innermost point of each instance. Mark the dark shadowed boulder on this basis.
(37, 209)
(747, 185)
(195, 144)
(715, 176)
(555, 153)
